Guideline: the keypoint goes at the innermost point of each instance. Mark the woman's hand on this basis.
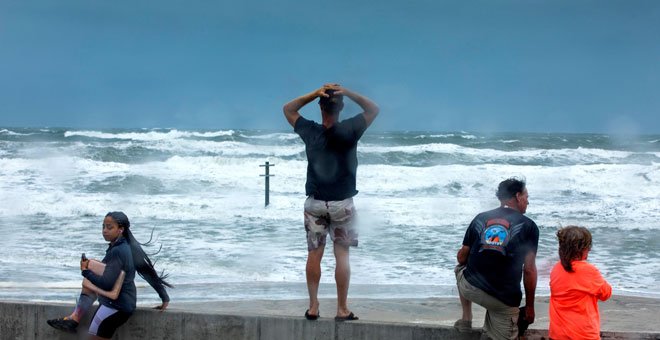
(84, 264)
(163, 306)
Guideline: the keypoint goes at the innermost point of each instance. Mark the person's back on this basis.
(496, 261)
(575, 288)
(332, 157)
(331, 149)
(499, 249)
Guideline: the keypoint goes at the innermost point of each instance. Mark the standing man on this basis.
(499, 248)
(331, 149)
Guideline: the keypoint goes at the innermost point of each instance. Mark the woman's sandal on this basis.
(64, 324)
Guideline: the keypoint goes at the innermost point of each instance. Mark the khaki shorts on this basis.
(330, 217)
(501, 320)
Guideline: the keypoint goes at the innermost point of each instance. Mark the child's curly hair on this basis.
(573, 241)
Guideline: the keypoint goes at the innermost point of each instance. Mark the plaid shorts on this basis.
(334, 217)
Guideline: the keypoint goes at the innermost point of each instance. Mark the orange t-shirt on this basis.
(574, 301)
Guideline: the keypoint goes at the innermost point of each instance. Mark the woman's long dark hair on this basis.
(141, 261)
(573, 241)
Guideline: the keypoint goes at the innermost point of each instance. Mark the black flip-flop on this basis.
(349, 317)
(311, 316)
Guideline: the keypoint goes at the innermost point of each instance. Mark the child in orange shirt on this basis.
(575, 288)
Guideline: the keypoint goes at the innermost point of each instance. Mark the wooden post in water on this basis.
(267, 175)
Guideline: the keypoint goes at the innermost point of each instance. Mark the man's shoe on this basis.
(64, 324)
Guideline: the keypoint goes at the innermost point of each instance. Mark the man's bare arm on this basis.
(370, 108)
(291, 108)
(529, 281)
(462, 255)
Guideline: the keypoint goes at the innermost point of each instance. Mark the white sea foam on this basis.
(205, 198)
(172, 142)
(12, 133)
(278, 136)
(493, 153)
(216, 183)
(226, 148)
(149, 135)
(577, 155)
(45, 285)
(447, 135)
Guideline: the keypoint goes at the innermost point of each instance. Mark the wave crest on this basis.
(149, 136)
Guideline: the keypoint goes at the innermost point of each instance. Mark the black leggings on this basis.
(106, 320)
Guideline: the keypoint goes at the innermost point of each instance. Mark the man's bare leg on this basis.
(464, 324)
(466, 306)
(342, 278)
(313, 271)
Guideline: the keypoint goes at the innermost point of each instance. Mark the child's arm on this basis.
(604, 292)
(599, 287)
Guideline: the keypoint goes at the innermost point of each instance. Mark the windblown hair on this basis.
(509, 188)
(141, 261)
(573, 241)
(332, 104)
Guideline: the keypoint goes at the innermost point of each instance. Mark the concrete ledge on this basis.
(28, 321)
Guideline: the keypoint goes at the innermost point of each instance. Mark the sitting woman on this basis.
(123, 255)
(575, 288)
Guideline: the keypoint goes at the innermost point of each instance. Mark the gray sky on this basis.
(536, 66)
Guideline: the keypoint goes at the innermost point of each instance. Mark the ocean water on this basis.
(201, 194)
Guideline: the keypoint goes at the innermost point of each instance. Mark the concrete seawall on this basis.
(28, 321)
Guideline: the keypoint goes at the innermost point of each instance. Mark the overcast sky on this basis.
(485, 66)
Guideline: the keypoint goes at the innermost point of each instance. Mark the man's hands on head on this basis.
(329, 86)
(291, 109)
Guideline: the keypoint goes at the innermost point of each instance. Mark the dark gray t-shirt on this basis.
(331, 157)
(499, 240)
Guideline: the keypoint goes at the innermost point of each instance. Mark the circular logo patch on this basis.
(495, 235)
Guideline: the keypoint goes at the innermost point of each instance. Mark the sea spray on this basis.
(202, 193)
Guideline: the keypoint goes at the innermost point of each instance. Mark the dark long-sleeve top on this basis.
(118, 257)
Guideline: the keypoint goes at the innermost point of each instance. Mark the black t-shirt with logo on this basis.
(499, 239)
(331, 157)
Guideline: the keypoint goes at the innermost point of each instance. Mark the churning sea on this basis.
(201, 193)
